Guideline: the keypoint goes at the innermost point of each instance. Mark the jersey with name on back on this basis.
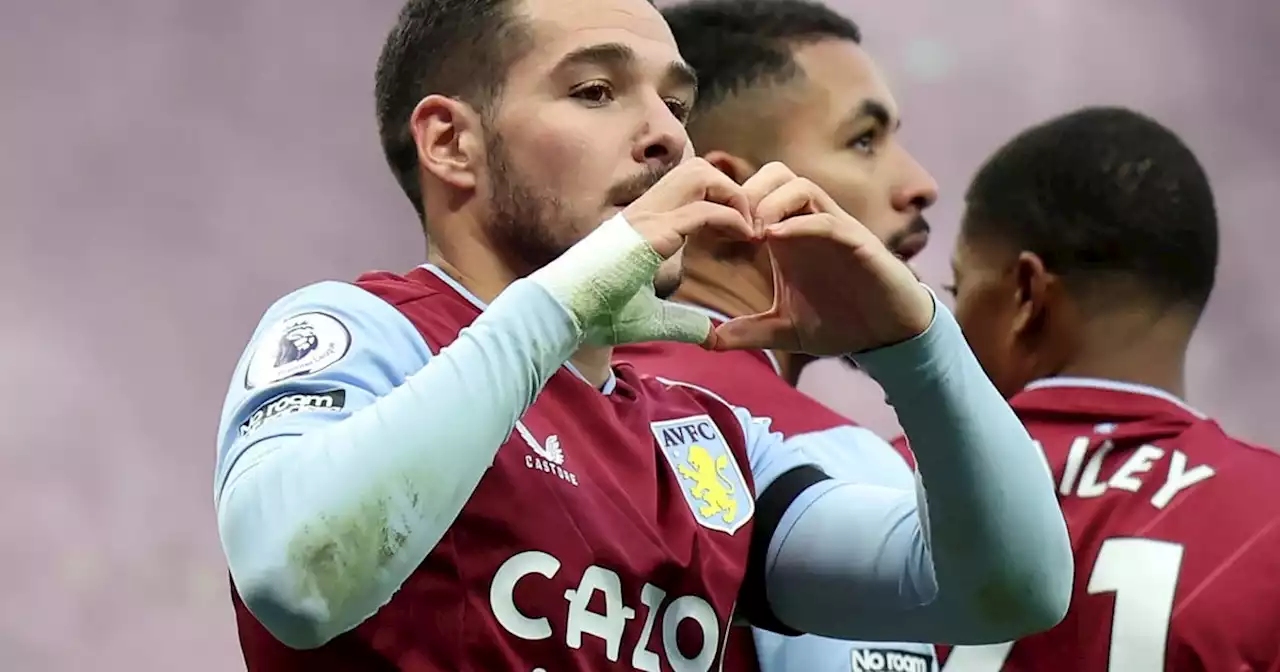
(752, 379)
(612, 530)
(1175, 527)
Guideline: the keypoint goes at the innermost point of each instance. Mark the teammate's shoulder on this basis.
(1223, 474)
(1240, 454)
(1236, 501)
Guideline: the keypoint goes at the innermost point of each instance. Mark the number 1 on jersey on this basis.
(1143, 574)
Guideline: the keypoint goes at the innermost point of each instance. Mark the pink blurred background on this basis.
(168, 169)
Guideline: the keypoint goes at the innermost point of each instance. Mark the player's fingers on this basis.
(717, 187)
(666, 233)
(646, 318)
(768, 179)
(839, 228)
(801, 226)
(678, 322)
(766, 331)
(790, 199)
(725, 219)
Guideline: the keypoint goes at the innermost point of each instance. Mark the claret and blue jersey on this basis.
(843, 450)
(611, 528)
(409, 479)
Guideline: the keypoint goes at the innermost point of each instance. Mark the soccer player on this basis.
(442, 470)
(787, 80)
(1086, 256)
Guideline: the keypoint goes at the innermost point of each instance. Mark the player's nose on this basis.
(663, 140)
(917, 190)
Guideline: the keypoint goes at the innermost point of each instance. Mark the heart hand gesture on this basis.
(837, 288)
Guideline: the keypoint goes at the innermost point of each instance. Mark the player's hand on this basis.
(693, 196)
(606, 280)
(837, 288)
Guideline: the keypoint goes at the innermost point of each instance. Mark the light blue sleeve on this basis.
(861, 532)
(855, 455)
(355, 347)
(346, 450)
(990, 563)
(852, 455)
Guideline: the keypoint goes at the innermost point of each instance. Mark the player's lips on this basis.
(911, 245)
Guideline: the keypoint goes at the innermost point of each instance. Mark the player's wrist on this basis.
(601, 273)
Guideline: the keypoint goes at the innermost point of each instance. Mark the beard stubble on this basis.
(529, 227)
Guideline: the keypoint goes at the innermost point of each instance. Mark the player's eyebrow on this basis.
(876, 111)
(616, 56)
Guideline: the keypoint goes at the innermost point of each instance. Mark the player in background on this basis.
(443, 471)
(787, 80)
(1086, 256)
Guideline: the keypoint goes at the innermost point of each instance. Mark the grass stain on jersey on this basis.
(340, 556)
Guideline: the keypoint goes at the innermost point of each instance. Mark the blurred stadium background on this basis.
(169, 169)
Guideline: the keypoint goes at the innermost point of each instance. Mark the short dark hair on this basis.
(734, 45)
(456, 48)
(1103, 193)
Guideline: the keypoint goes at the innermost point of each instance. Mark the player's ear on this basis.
(737, 168)
(1033, 288)
(449, 138)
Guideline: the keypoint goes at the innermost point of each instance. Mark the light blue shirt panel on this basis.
(853, 455)
(1002, 532)
(382, 349)
(856, 455)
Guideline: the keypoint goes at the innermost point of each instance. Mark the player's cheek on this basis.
(983, 337)
(964, 317)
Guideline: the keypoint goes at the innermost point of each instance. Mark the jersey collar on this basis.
(1113, 386)
(607, 388)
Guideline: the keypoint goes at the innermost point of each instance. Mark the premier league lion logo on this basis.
(297, 343)
(301, 345)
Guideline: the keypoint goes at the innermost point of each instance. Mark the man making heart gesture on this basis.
(442, 470)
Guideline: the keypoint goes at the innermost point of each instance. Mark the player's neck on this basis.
(472, 266)
(1148, 354)
(731, 289)
(485, 277)
(593, 362)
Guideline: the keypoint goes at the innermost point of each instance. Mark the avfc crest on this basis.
(299, 346)
(709, 477)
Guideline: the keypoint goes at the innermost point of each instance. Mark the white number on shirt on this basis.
(1143, 573)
